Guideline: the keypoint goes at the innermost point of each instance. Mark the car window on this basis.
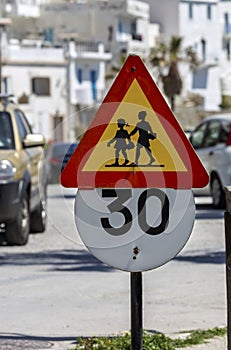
(23, 126)
(212, 134)
(6, 131)
(225, 129)
(68, 154)
(60, 150)
(197, 136)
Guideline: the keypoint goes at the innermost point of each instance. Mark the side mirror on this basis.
(34, 140)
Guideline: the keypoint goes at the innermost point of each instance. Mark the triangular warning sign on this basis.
(134, 140)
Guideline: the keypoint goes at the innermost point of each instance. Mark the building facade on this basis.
(198, 23)
(46, 83)
(82, 37)
(126, 27)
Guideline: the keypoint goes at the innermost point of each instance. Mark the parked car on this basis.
(212, 141)
(57, 157)
(22, 176)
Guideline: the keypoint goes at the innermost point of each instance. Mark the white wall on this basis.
(91, 21)
(166, 14)
(40, 108)
(199, 27)
(225, 7)
(194, 29)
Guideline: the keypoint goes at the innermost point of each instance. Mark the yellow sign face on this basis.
(135, 137)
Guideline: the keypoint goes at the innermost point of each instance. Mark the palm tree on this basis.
(167, 57)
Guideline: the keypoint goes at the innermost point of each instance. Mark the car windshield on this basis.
(225, 130)
(60, 150)
(6, 131)
(69, 153)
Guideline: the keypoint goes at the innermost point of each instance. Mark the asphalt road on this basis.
(53, 290)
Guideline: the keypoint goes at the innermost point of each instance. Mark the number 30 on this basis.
(122, 195)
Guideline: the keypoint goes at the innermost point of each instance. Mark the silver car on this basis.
(57, 156)
(212, 141)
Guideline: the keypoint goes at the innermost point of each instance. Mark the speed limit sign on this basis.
(134, 169)
(134, 229)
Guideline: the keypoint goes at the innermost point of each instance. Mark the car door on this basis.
(214, 148)
(33, 154)
(206, 141)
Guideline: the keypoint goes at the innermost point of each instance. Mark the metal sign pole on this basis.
(136, 311)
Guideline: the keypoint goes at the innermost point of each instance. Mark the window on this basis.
(41, 86)
(209, 11)
(6, 131)
(6, 84)
(228, 50)
(120, 27)
(212, 135)
(23, 126)
(225, 131)
(198, 135)
(203, 49)
(200, 78)
(133, 28)
(93, 84)
(80, 75)
(226, 18)
(110, 33)
(190, 10)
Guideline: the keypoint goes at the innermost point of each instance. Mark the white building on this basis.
(46, 81)
(198, 23)
(122, 25)
(225, 58)
(25, 8)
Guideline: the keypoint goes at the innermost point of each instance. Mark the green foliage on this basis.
(199, 337)
(157, 341)
(166, 57)
(226, 102)
(104, 343)
(175, 48)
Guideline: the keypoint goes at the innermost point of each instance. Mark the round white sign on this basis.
(134, 229)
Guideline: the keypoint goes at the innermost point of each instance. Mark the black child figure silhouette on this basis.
(145, 134)
(120, 143)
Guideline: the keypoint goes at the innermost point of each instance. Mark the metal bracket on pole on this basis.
(136, 311)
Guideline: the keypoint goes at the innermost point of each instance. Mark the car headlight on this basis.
(7, 171)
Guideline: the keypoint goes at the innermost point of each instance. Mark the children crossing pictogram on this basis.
(122, 143)
(134, 138)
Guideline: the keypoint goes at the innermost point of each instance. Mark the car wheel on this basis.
(39, 218)
(217, 193)
(17, 232)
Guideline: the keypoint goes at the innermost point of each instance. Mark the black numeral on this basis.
(117, 207)
(142, 218)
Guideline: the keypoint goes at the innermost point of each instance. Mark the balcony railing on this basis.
(87, 46)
